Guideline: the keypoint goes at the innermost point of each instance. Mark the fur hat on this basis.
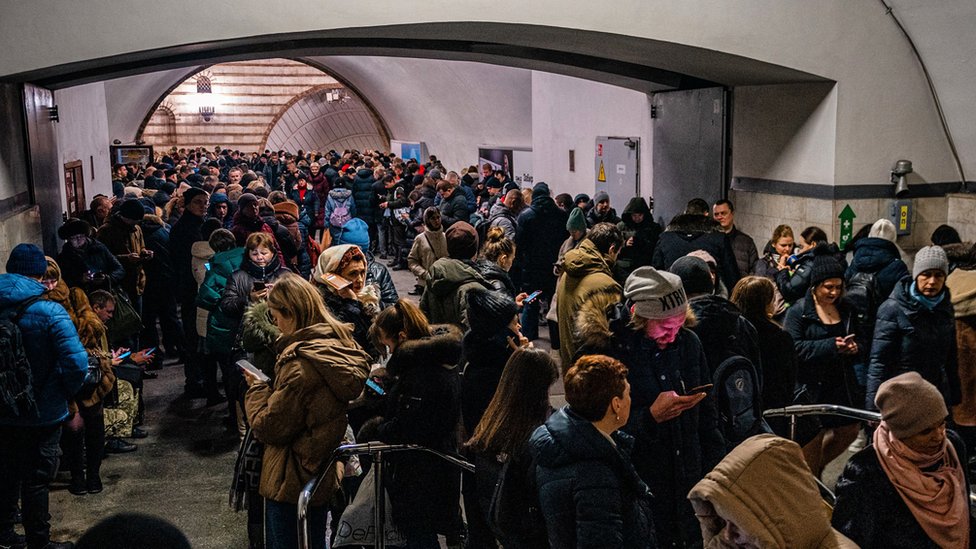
(576, 220)
(132, 209)
(28, 260)
(824, 267)
(462, 241)
(909, 405)
(696, 276)
(74, 227)
(489, 312)
(930, 258)
(656, 294)
(287, 207)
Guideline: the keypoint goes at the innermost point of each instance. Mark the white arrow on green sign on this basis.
(846, 226)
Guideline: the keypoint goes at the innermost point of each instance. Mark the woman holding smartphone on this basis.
(826, 338)
(301, 416)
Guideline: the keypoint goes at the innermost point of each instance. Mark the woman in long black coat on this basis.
(423, 407)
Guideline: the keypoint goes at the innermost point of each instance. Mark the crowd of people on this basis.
(671, 341)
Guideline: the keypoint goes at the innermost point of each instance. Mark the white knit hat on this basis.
(656, 294)
(883, 228)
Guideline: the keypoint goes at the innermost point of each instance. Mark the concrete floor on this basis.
(182, 471)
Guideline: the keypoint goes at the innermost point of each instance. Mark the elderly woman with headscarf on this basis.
(908, 489)
(340, 277)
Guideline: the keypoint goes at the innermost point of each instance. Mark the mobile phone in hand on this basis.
(253, 370)
(375, 387)
(124, 355)
(848, 339)
(148, 352)
(532, 297)
(258, 286)
(336, 282)
(700, 389)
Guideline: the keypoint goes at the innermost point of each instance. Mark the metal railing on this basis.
(377, 451)
(798, 410)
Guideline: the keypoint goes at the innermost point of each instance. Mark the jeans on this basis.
(281, 525)
(29, 461)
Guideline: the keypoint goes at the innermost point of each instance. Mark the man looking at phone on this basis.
(122, 235)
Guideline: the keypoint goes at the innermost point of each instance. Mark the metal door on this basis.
(689, 149)
(42, 150)
(616, 169)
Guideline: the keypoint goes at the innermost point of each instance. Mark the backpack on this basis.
(863, 294)
(340, 215)
(738, 397)
(16, 377)
(509, 518)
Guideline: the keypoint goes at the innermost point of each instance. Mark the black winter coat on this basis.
(779, 370)
(483, 359)
(95, 257)
(497, 276)
(589, 492)
(378, 274)
(877, 255)
(870, 511)
(362, 193)
(673, 456)
(423, 407)
(454, 209)
(592, 217)
(159, 272)
(689, 232)
(237, 294)
(828, 374)
(184, 233)
(908, 337)
(352, 312)
(724, 332)
(540, 232)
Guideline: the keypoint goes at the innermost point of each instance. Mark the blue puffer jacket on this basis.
(877, 255)
(589, 492)
(58, 360)
(362, 191)
(908, 337)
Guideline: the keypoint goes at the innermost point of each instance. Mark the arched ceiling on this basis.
(316, 122)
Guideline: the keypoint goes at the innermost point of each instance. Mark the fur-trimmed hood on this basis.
(690, 226)
(443, 347)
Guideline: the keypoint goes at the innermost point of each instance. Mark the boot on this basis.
(255, 536)
(94, 485)
(77, 486)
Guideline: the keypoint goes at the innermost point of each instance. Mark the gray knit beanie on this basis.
(656, 294)
(929, 258)
(910, 405)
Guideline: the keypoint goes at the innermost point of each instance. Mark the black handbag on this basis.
(93, 378)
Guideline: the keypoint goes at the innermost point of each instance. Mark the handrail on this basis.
(377, 450)
(823, 409)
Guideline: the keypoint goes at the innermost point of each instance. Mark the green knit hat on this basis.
(576, 221)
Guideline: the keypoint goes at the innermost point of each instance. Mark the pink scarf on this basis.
(937, 499)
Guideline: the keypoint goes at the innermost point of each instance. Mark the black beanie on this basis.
(695, 274)
(132, 209)
(489, 312)
(824, 267)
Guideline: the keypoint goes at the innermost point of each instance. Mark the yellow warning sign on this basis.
(903, 218)
(603, 175)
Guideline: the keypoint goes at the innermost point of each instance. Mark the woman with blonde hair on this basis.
(301, 417)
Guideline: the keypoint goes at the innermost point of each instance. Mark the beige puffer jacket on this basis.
(302, 419)
(766, 489)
